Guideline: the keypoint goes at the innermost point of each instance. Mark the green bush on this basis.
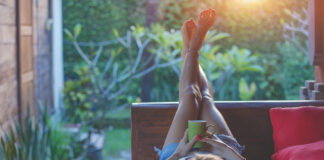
(224, 71)
(98, 19)
(79, 101)
(294, 69)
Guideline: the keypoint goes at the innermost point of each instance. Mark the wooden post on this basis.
(313, 89)
(25, 56)
(316, 37)
(8, 65)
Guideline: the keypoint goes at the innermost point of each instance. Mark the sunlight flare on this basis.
(250, 2)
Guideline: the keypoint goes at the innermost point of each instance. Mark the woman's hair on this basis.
(206, 157)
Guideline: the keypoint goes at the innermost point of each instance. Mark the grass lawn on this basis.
(125, 113)
(117, 140)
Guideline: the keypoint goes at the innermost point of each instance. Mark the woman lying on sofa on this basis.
(196, 102)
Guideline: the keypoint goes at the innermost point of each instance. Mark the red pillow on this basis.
(311, 151)
(296, 125)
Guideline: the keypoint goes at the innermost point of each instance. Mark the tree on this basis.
(147, 80)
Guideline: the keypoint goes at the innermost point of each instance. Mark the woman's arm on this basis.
(183, 147)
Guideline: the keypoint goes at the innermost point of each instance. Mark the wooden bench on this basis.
(248, 120)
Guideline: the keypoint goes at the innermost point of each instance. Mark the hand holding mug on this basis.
(198, 127)
(184, 146)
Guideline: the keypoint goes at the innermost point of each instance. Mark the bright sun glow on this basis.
(250, 3)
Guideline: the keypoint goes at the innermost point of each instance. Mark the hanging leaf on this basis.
(77, 29)
(116, 34)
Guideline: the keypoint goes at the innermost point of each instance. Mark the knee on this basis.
(206, 96)
(192, 91)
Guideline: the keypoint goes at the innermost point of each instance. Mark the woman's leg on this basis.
(187, 30)
(189, 97)
(208, 111)
(190, 81)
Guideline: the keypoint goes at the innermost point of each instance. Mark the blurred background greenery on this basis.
(253, 52)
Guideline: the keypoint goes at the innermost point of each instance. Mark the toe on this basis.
(192, 21)
(192, 24)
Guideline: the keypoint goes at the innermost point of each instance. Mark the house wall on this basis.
(42, 53)
(8, 65)
(41, 63)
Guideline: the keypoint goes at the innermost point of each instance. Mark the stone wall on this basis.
(8, 74)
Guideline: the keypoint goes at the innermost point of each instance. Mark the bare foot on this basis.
(187, 31)
(205, 21)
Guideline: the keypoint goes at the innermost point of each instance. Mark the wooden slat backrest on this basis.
(249, 122)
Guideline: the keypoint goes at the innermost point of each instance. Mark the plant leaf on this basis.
(69, 34)
(77, 29)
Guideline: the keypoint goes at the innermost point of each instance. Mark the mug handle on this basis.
(211, 125)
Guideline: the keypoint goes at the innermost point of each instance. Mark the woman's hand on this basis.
(222, 149)
(183, 147)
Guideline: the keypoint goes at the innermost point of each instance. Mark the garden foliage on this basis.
(250, 53)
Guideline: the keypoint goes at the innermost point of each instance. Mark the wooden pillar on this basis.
(314, 90)
(25, 56)
(8, 64)
(316, 37)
